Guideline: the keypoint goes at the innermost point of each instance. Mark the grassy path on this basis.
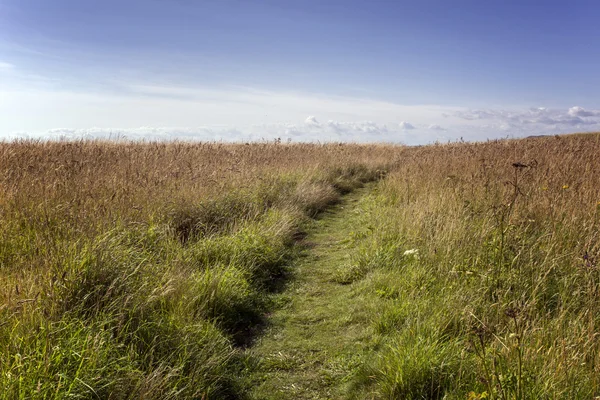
(317, 335)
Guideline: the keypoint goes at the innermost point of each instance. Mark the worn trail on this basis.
(316, 336)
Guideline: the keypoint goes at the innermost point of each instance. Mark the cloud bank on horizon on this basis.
(242, 114)
(311, 71)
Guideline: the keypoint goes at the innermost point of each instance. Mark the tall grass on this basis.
(138, 270)
(133, 270)
(500, 298)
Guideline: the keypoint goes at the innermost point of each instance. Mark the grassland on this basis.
(138, 270)
(486, 262)
(182, 271)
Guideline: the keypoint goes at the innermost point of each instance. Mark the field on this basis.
(487, 258)
(301, 271)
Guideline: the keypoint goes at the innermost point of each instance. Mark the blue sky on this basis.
(402, 71)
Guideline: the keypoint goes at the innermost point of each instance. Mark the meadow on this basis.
(150, 270)
(484, 261)
(132, 270)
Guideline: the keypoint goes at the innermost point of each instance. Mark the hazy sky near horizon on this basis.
(394, 71)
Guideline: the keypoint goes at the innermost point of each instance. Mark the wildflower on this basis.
(565, 186)
(411, 252)
(544, 188)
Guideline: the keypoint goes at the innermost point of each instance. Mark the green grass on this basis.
(489, 306)
(318, 335)
(359, 320)
(157, 310)
(367, 316)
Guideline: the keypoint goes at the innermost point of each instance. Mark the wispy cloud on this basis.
(308, 130)
(6, 66)
(129, 107)
(574, 117)
(154, 112)
(332, 131)
(435, 127)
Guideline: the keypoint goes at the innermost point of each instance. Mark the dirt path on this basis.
(316, 337)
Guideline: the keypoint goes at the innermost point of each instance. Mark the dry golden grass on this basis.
(104, 181)
(133, 269)
(130, 269)
(506, 284)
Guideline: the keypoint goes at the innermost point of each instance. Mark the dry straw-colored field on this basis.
(139, 270)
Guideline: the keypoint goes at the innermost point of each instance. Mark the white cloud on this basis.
(540, 117)
(406, 126)
(471, 115)
(436, 127)
(332, 131)
(6, 66)
(311, 120)
(582, 112)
